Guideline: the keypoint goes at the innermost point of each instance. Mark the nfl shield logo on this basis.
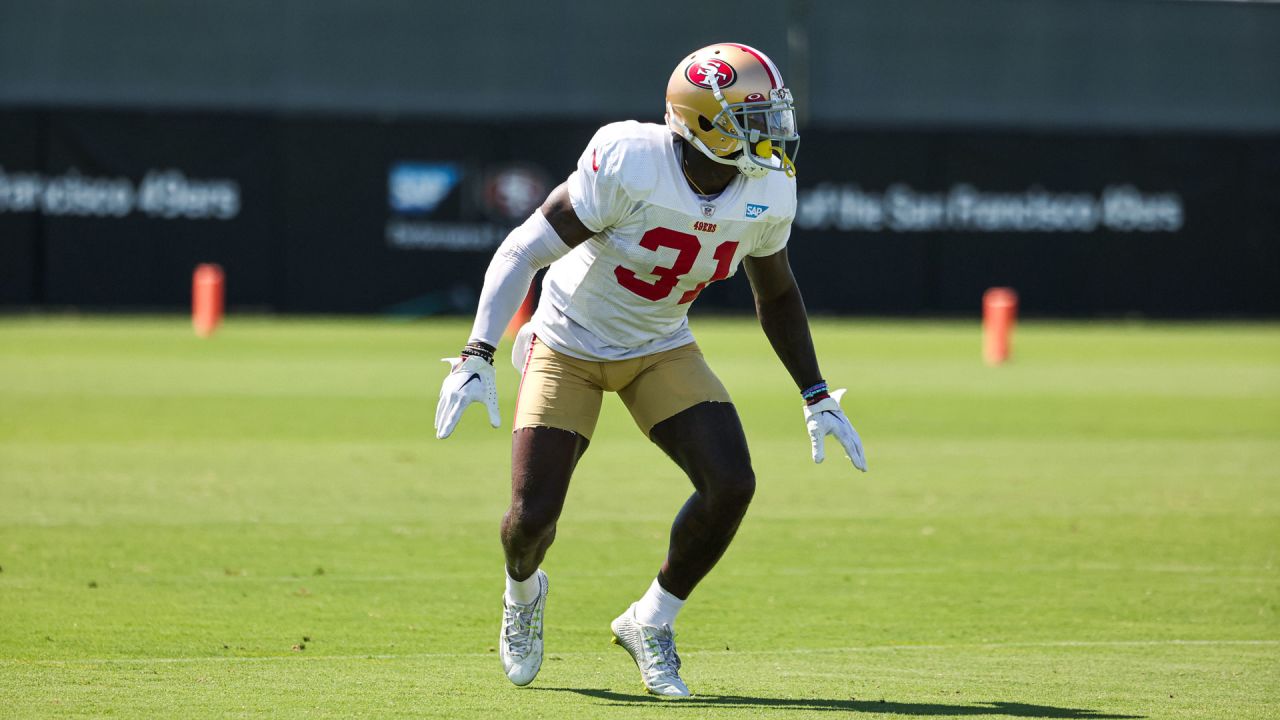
(708, 209)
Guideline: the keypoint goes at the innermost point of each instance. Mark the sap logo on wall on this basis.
(511, 193)
(429, 216)
(418, 188)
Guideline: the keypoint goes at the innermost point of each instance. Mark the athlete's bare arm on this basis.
(782, 315)
(559, 212)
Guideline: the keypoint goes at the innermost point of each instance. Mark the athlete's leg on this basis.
(556, 410)
(707, 442)
(542, 461)
(680, 404)
(683, 408)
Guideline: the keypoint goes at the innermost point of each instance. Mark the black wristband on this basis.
(482, 350)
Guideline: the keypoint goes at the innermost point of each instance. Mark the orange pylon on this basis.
(207, 289)
(999, 315)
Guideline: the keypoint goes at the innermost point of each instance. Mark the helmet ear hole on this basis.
(705, 124)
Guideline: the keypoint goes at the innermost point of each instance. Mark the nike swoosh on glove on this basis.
(825, 418)
(470, 380)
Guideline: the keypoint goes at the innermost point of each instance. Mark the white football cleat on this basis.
(654, 650)
(520, 642)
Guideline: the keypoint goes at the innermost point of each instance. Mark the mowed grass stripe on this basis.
(788, 651)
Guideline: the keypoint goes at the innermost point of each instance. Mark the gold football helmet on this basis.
(728, 101)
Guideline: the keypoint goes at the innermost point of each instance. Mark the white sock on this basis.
(523, 591)
(658, 607)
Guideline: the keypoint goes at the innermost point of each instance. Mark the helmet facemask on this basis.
(765, 130)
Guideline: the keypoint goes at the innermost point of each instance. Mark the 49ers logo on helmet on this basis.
(700, 73)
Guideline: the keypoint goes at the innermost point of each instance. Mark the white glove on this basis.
(825, 418)
(470, 380)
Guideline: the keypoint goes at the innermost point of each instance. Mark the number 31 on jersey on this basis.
(688, 247)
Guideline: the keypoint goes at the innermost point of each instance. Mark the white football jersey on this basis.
(626, 291)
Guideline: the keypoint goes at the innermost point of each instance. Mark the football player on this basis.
(652, 214)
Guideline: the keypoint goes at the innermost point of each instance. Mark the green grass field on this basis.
(263, 524)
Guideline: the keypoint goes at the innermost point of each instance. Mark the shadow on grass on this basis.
(1006, 709)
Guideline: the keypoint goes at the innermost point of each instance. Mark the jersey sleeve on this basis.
(773, 240)
(611, 176)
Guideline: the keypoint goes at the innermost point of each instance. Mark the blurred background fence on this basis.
(1103, 156)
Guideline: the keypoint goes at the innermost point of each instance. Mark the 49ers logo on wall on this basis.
(700, 73)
